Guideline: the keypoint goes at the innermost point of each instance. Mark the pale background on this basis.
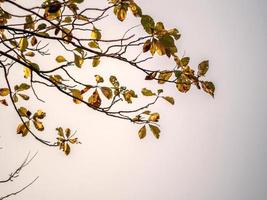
(210, 149)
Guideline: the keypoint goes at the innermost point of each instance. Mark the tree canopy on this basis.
(26, 34)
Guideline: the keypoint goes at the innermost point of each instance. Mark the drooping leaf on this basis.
(23, 44)
(96, 61)
(66, 149)
(155, 130)
(96, 34)
(94, 99)
(121, 14)
(146, 46)
(148, 23)
(142, 132)
(208, 87)
(27, 72)
(78, 60)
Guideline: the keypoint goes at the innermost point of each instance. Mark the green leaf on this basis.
(4, 92)
(41, 26)
(148, 23)
(147, 92)
(60, 59)
(23, 87)
(203, 67)
(169, 99)
(93, 44)
(155, 130)
(142, 132)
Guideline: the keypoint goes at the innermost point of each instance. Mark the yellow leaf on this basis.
(147, 92)
(96, 61)
(66, 148)
(155, 130)
(169, 99)
(183, 83)
(23, 112)
(23, 44)
(142, 132)
(164, 76)
(27, 72)
(39, 114)
(208, 87)
(4, 92)
(78, 60)
(60, 59)
(121, 14)
(154, 117)
(95, 34)
(78, 96)
(73, 140)
(22, 129)
(38, 125)
(99, 79)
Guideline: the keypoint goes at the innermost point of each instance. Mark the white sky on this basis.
(209, 149)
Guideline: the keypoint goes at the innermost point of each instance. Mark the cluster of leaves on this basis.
(65, 138)
(60, 21)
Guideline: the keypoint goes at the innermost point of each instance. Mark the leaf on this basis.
(128, 95)
(107, 92)
(99, 79)
(96, 61)
(78, 60)
(167, 41)
(23, 112)
(27, 72)
(60, 131)
(169, 99)
(4, 92)
(15, 98)
(142, 132)
(148, 23)
(136, 10)
(121, 14)
(159, 27)
(30, 54)
(66, 35)
(78, 96)
(185, 61)
(23, 87)
(95, 34)
(60, 59)
(114, 81)
(23, 44)
(155, 130)
(39, 114)
(203, 67)
(164, 76)
(183, 83)
(22, 128)
(93, 44)
(41, 26)
(4, 102)
(38, 125)
(66, 148)
(208, 87)
(33, 41)
(24, 96)
(94, 100)
(147, 92)
(86, 89)
(67, 132)
(154, 117)
(146, 46)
